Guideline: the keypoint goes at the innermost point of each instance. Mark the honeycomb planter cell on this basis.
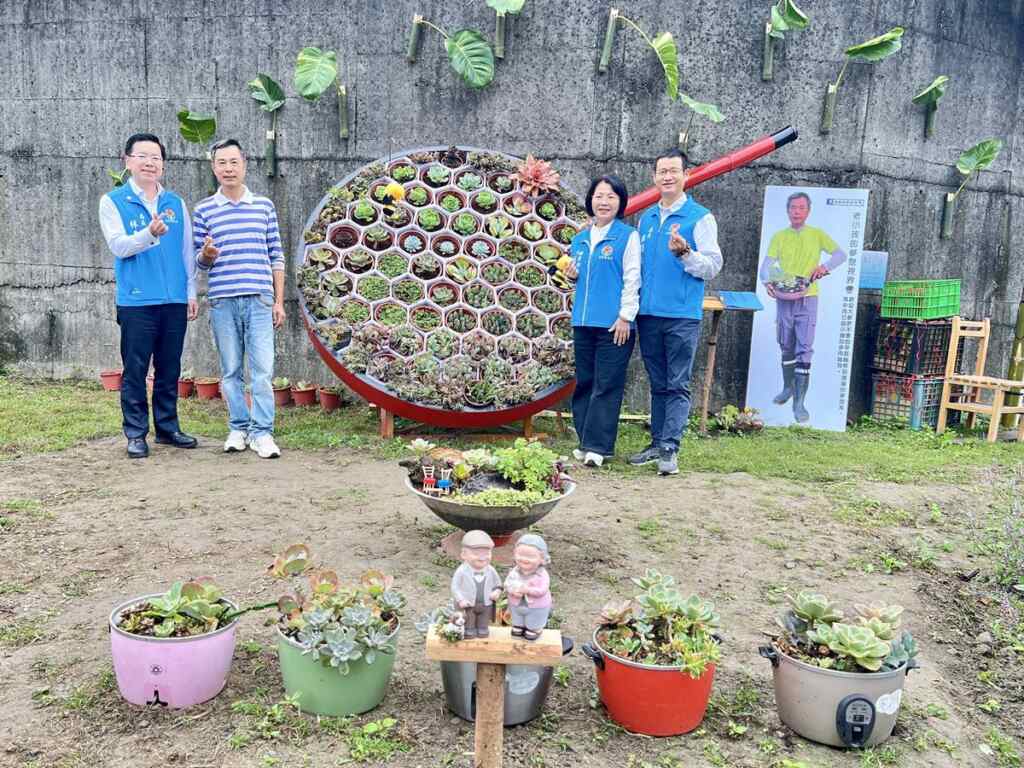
(344, 237)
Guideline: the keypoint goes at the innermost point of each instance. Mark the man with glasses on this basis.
(238, 243)
(679, 241)
(148, 230)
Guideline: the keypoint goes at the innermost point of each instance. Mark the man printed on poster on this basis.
(790, 272)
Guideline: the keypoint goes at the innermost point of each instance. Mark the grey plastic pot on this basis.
(808, 698)
(526, 688)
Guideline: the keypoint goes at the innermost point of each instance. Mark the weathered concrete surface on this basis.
(81, 76)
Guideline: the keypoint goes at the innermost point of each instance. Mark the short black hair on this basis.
(618, 187)
(797, 195)
(669, 154)
(135, 138)
(224, 144)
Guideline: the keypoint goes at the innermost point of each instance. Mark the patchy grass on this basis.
(16, 634)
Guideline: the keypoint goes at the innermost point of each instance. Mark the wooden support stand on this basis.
(491, 654)
(386, 430)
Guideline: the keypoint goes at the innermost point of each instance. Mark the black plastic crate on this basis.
(915, 347)
(913, 399)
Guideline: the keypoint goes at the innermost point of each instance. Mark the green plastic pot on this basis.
(325, 691)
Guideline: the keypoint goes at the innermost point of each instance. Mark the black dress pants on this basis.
(153, 333)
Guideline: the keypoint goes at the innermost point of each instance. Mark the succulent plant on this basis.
(409, 291)
(392, 264)
(392, 314)
(186, 609)
(422, 158)
(426, 319)
(859, 644)
(322, 258)
(502, 183)
(469, 182)
(562, 328)
(566, 233)
(417, 196)
(378, 237)
(280, 382)
(548, 300)
(426, 265)
(497, 323)
(450, 202)
(372, 288)
(536, 176)
(364, 211)
(485, 201)
(429, 219)
(412, 244)
(380, 193)
(496, 273)
(499, 226)
(358, 260)
(517, 205)
(329, 306)
(370, 336)
(445, 247)
(307, 276)
(547, 210)
(480, 393)
(811, 607)
(443, 295)
(403, 173)
(334, 334)
(478, 346)
(438, 175)
(460, 320)
(615, 613)
(512, 299)
(355, 312)
(481, 249)
(404, 340)
(513, 349)
(398, 217)
(314, 234)
(904, 649)
(356, 359)
(530, 276)
(461, 270)
(442, 343)
(465, 224)
(547, 254)
(533, 230)
(478, 295)
(498, 370)
(337, 283)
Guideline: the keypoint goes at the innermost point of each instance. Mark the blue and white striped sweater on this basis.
(247, 235)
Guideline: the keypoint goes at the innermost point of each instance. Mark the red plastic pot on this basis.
(647, 699)
(185, 387)
(208, 390)
(329, 401)
(304, 396)
(283, 396)
(111, 380)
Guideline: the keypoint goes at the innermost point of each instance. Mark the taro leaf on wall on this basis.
(267, 92)
(934, 92)
(786, 16)
(710, 111)
(471, 56)
(506, 6)
(315, 72)
(979, 157)
(877, 48)
(196, 127)
(665, 47)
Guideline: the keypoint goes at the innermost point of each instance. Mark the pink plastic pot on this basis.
(177, 672)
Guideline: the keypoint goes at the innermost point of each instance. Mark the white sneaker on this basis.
(592, 459)
(265, 446)
(235, 442)
(578, 454)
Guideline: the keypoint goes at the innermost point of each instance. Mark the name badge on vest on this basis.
(606, 252)
(169, 217)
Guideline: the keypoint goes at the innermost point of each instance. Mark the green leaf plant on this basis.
(270, 96)
(868, 52)
(930, 98)
(469, 53)
(198, 128)
(315, 72)
(502, 9)
(977, 158)
(785, 15)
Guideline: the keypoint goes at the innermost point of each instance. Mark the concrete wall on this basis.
(80, 76)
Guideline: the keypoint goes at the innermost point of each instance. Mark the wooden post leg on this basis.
(528, 427)
(997, 413)
(387, 424)
(490, 715)
(709, 371)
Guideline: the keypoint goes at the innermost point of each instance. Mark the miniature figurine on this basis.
(529, 598)
(444, 485)
(429, 481)
(476, 586)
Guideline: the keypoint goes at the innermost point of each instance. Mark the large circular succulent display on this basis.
(430, 280)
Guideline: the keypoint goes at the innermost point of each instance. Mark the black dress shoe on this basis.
(137, 448)
(177, 439)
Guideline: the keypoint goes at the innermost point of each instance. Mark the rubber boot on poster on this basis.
(787, 384)
(801, 381)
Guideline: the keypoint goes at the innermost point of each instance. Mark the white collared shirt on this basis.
(123, 245)
(706, 261)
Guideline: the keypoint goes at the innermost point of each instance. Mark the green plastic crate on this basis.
(921, 299)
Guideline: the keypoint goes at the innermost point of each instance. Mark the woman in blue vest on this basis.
(606, 267)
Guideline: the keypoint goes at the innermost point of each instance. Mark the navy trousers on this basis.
(667, 345)
(154, 333)
(600, 382)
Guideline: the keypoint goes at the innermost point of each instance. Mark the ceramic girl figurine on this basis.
(475, 584)
(527, 584)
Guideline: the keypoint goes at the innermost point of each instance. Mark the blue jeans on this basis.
(600, 382)
(667, 345)
(243, 328)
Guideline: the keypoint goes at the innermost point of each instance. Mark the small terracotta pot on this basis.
(111, 380)
(329, 401)
(208, 390)
(304, 396)
(282, 396)
(185, 387)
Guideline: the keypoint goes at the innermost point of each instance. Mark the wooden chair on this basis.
(971, 388)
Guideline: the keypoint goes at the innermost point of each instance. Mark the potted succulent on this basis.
(548, 301)
(111, 380)
(548, 210)
(282, 390)
(322, 258)
(485, 201)
(358, 260)
(373, 287)
(478, 346)
(462, 270)
(330, 398)
(479, 248)
(501, 182)
(430, 219)
(468, 181)
(355, 312)
(364, 211)
(418, 196)
(512, 299)
(443, 343)
(565, 233)
(478, 295)
(547, 254)
(445, 246)
(208, 387)
(480, 393)
(436, 175)
(408, 291)
(403, 172)
(496, 273)
(337, 283)
(660, 643)
(405, 341)
(344, 237)
(426, 266)
(465, 224)
(839, 680)
(517, 205)
(561, 327)
(496, 322)
(513, 349)
(513, 251)
(378, 238)
(304, 393)
(499, 226)
(392, 264)
(398, 217)
(173, 649)
(532, 230)
(444, 294)
(411, 243)
(530, 276)
(426, 318)
(451, 201)
(186, 383)
(336, 642)
(460, 319)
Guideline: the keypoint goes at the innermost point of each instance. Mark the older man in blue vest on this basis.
(148, 230)
(680, 252)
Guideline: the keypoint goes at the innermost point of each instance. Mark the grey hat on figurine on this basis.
(476, 585)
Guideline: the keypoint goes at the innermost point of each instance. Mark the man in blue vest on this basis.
(680, 253)
(148, 230)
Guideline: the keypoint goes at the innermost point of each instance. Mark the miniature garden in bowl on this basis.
(430, 285)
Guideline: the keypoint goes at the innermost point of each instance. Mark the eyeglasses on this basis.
(669, 172)
(150, 158)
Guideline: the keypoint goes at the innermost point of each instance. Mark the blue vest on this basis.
(666, 289)
(599, 285)
(156, 275)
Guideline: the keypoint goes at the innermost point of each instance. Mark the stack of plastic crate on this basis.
(911, 350)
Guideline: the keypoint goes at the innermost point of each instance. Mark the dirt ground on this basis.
(91, 529)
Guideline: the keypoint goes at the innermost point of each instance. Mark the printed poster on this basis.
(807, 278)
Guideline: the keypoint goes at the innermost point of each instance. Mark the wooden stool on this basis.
(491, 654)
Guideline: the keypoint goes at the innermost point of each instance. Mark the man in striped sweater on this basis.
(238, 244)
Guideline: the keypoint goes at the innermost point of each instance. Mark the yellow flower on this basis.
(395, 191)
(563, 263)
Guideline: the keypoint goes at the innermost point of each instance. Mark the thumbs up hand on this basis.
(210, 252)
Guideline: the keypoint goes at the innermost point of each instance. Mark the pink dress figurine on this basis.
(476, 585)
(527, 585)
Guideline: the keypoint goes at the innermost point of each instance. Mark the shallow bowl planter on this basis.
(177, 672)
(111, 380)
(185, 387)
(323, 690)
(496, 521)
(304, 396)
(282, 395)
(208, 390)
(647, 698)
(808, 697)
(329, 401)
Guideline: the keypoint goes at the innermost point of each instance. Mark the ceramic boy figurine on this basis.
(527, 584)
(475, 584)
